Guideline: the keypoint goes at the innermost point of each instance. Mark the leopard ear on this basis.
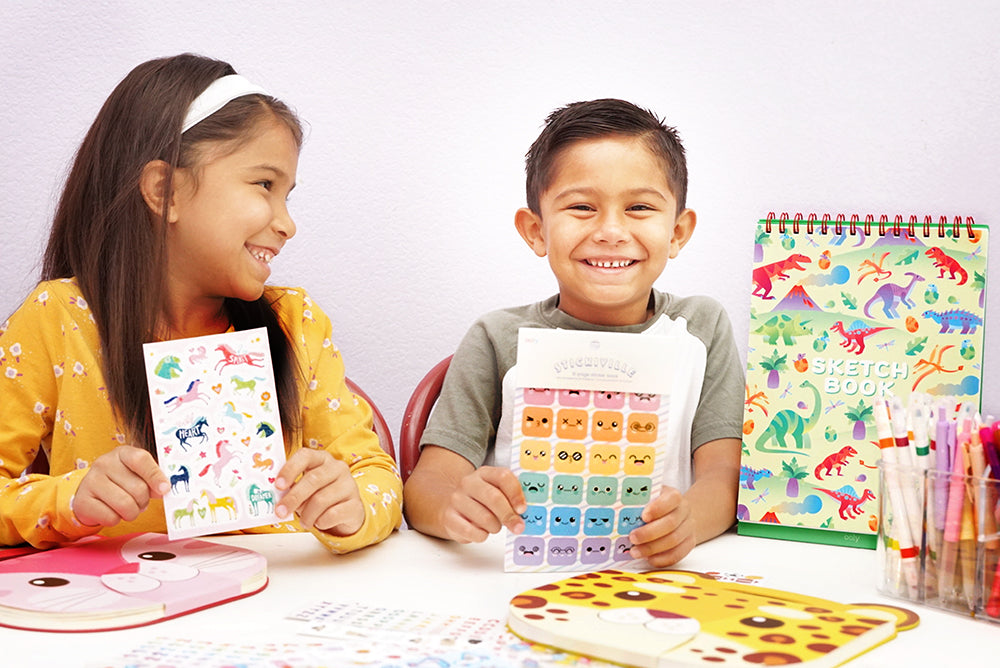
(904, 618)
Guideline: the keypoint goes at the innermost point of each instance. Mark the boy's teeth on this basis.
(616, 264)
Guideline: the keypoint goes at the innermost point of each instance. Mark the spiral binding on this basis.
(896, 226)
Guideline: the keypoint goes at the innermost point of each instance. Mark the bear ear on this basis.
(903, 618)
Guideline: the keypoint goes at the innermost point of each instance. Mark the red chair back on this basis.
(380, 426)
(418, 409)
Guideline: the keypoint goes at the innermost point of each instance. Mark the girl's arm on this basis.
(338, 422)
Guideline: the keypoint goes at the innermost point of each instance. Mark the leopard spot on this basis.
(527, 602)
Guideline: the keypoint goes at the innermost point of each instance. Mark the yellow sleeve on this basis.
(338, 421)
(34, 344)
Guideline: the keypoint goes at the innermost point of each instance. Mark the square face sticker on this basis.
(586, 446)
(218, 435)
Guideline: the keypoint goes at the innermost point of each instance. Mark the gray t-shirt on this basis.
(475, 409)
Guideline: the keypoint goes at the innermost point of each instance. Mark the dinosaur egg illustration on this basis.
(748, 427)
(873, 523)
(931, 294)
(819, 345)
(824, 260)
(911, 324)
(788, 243)
(830, 434)
(801, 363)
(968, 351)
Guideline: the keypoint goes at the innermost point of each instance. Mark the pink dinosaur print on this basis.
(762, 275)
(850, 502)
(854, 339)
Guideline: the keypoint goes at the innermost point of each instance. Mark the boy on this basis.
(606, 187)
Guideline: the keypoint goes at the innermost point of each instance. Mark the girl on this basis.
(171, 214)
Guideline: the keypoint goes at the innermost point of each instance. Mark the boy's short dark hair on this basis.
(603, 118)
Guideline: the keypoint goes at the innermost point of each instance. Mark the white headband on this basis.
(219, 93)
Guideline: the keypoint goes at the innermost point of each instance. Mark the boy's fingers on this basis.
(507, 483)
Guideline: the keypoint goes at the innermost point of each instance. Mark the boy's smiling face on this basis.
(608, 224)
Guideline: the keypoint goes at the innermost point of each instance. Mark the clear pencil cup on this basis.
(938, 540)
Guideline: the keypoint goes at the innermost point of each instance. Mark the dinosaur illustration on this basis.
(763, 275)
(837, 460)
(953, 319)
(850, 502)
(788, 422)
(749, 475)
(870, 267)
(934, 364)
(947, 264)
(783, 327)
(854, 338)
(893, 295)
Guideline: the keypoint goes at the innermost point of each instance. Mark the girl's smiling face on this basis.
(608, 222)
(229, 217)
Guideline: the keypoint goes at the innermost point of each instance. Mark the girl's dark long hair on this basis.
(105, 235)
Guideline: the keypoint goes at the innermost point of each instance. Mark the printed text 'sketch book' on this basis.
(218, 435)
(684, 618)
(843, 312)
(99, 584)
(590, 421)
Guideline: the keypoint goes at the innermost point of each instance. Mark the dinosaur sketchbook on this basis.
(843, 312)
(99, 584)
(685, 618)
(588, 443)
(218, 435)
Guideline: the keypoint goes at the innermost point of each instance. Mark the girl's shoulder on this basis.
(295, 307)
(59, 296)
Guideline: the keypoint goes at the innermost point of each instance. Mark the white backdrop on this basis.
(419, 115)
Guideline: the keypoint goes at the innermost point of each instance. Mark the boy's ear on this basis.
(153, 184)
(683, 229)
(529, 226)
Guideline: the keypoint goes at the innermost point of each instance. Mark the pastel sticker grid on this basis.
(587, 462)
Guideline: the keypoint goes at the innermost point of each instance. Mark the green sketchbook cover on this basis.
(843, 311)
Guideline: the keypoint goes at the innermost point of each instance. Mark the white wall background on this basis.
(420, 114)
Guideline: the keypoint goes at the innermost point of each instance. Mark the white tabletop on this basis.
(415, 572)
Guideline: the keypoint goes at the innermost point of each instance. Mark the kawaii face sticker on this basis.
(567, 489)
(535, 455)
(569, 457)
(638, 459)
(607, 426)
(576, 398)
(571, 423)
(605, 458)
(535, 487)
(609, 399)
(602, 491)
(642, 427)
(538, 396)
(537, 422)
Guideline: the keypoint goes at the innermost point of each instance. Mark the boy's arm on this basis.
(716, 484)
(446, 496)
(676, 522)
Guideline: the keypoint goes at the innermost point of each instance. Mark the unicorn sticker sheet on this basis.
(588, 435)
(218, 435)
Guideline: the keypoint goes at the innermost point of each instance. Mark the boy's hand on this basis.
(485, 500)
(321, 491)
(118, 487)
(669, 530)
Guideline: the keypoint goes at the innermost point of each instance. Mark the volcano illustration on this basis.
(797, 299)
